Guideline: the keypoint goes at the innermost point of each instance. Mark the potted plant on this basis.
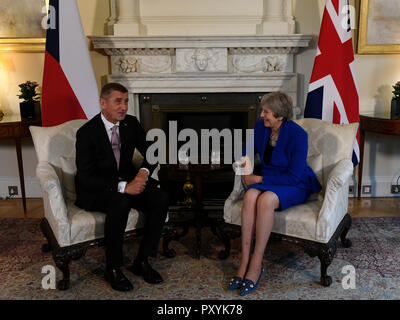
(395, 108)
(31, 105)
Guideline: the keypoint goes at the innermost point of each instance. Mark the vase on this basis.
(395, 108)
(29, 109)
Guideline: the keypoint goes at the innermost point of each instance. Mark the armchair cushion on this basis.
(86, 226)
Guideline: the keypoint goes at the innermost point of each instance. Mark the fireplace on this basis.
(199, 111)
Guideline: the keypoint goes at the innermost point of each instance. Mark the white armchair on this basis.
(316, 224)
(68, 229)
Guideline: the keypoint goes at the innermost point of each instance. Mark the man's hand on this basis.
(142, 175)
(137, 185)
(252, 179)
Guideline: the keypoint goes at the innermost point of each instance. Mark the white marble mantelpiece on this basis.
(181, 64)
(241, 41)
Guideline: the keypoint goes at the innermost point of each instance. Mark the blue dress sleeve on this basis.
(297, 154)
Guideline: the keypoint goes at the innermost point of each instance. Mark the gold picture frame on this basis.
(365, 46)
(21, 25)
(22, 44)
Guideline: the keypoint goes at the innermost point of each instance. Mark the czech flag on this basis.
(69, 85)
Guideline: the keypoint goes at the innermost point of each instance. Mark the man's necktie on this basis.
(115, 144)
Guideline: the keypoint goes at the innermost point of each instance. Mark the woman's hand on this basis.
(243, 166)
(252, 179)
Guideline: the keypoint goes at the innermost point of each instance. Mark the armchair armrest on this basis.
(335, 203)
(55, 209)
(236, 194)
(239, 186)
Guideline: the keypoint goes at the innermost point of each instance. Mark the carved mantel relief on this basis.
(201, 60)
(252, 64)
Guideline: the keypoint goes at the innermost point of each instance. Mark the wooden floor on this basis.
(12, 208)
(367, 207)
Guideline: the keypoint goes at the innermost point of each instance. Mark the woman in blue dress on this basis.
(285, 180)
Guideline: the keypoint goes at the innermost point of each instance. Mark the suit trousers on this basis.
(153, 202)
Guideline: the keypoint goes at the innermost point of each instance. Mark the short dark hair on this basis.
(110, 87)
(280, 103)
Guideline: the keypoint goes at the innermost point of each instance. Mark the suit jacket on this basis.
(288, 165)
(95, 162)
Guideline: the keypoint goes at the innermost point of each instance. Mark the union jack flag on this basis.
(333, 93)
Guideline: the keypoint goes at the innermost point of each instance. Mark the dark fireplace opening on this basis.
(204, 122)
(199, 111)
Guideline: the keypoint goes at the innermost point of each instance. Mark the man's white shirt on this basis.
(109, 125)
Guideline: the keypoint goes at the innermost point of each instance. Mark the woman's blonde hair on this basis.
(280, 103)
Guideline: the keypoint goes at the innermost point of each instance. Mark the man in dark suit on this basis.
(106, 181)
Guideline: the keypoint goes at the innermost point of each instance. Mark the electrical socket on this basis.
(366, 189)
(395, 189)
(12, 190)
(351, 189)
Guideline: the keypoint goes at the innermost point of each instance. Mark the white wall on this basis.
(375, 73)
(206, 17)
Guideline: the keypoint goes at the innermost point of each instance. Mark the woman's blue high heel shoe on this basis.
(236, 283)
(249, 286)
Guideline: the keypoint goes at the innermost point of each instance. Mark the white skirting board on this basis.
(380, 187)
(32, 187)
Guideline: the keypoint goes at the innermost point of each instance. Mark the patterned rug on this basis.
(290, 273)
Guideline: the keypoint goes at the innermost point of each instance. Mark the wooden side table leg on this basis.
(360, 165)
(21, 171)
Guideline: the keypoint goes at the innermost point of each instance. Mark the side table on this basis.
(193, 188)
(15, 128)
(383, 123)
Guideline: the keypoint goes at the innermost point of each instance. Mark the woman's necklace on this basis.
(273, 137)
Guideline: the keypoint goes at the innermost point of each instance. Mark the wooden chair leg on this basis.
(346, 242)
(325, 262)
(226, 233)
(170, 234)
(62, 259)
(224, 254)
(46, 247)
(326, 255)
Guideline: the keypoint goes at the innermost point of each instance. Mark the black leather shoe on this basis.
(117, 280)
(143, 268)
